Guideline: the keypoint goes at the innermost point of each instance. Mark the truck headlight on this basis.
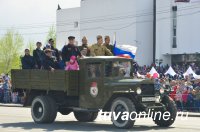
(138, 91)
(162, 90)
(157, 99)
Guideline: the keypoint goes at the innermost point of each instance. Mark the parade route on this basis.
(14, 119)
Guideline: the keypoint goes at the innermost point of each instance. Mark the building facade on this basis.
(177, 32)
(177, 27)
(67, 24)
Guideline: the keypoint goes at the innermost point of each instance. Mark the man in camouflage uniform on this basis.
(99, 49)
(108, 45)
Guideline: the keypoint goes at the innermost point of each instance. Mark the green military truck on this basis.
(102, 83)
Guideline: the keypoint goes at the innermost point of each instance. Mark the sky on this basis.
(31, 18)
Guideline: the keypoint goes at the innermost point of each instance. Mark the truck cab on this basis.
(102, 83)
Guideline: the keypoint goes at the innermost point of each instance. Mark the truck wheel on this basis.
(120, 105)
(43, 109)
(170, 108)
(83, 116)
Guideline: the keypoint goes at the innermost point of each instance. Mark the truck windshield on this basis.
(118, 69)
(94, 70)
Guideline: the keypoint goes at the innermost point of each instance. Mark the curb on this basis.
(193, 115)
(11, 105)
(189, 114)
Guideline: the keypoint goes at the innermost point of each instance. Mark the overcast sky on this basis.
(31, 18)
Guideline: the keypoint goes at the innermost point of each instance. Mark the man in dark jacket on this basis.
(55, 51)
(49, 62)
(70, 50)
(28, 61)
(38, 55)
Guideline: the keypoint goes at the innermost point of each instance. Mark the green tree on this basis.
(51, 34)
(10, 46)
(31, 46)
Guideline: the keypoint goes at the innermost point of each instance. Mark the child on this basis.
(72, 65)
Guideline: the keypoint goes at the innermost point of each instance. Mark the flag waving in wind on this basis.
(127, 51)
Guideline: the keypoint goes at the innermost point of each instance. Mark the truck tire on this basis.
(85, 116)
(122, 104)
(53, 113)
(171, 108)
(43, 110)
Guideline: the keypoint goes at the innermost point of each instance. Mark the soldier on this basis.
(108, 45)
(28, 61)
(84, 49)
(50, 62)
(99, 49)
(70, 50)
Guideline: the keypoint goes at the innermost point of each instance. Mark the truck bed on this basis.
(59, 80)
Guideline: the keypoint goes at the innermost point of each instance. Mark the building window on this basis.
(174, 32)
(76, 24)
(174, 42)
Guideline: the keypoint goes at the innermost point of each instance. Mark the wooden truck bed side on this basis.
(59, 80)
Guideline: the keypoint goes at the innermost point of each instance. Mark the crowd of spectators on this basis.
(185, 89)
(179, 69)
(6, 95)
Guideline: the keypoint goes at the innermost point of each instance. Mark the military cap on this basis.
(71, 37)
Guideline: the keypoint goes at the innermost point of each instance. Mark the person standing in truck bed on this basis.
(84, 49)
(28, 61)
(55, 52)
(70, 50)
(50, 63)
(99, 49)
(38, 55)
(108, 45)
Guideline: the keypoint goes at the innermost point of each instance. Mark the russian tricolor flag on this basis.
(127, 51)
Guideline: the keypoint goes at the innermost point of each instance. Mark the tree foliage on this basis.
(31, 46)
(51, 34)
(10, 48)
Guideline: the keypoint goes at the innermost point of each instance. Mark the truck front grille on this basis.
(148, 89)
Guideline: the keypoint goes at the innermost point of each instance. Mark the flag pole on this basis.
(114, 38)
(154, 31)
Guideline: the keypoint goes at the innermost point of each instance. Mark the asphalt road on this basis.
(16, 119)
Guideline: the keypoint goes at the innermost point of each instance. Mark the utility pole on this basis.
(154, 31)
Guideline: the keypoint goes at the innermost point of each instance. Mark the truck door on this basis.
(91, 89)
